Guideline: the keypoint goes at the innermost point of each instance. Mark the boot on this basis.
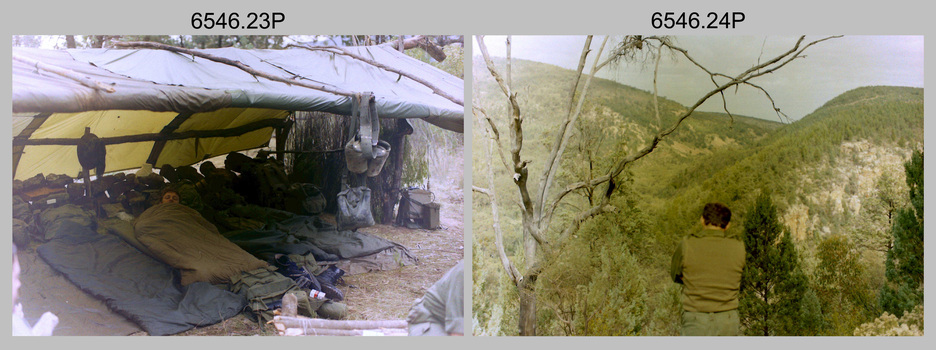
(303, 278)
(328, 280)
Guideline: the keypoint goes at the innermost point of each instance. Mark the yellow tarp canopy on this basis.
(168, 108)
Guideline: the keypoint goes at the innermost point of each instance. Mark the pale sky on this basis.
(829, 69)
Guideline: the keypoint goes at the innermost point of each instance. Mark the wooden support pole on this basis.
(66, 73)
(236, 131)
(298, 325)
(282, 133)
(24, 135)
(344, 332)
(167, 130)
(317, 323)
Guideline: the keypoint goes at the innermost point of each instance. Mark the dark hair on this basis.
(716, 214)
(168, 189)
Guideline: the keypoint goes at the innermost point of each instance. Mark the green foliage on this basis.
(904, 264)
(666, 310)
(494, 299)
(873, 228)
(453, 64)
(415, 164)
(808, 320)
(428, 150)
(910, 324)
(432, 157)
(842, 286)
(773, 286)
(779, 160)
(817, 137)
(598, 285)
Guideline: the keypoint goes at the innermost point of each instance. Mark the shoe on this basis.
(300, 275)
(327, 281)
(331, 275)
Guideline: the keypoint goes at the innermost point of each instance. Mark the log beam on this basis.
(231, 132)
(317, 323)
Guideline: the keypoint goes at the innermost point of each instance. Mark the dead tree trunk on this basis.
(527, 292)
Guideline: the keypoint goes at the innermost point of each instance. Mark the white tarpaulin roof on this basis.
(180, 109)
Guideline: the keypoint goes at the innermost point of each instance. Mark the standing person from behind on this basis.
(708, 263)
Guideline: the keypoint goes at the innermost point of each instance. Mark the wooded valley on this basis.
(833, 201)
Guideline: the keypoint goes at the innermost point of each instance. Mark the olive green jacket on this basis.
(708, 264)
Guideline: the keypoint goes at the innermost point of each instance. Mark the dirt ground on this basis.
(385, 295)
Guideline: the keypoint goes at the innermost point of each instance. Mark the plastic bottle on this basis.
(314, 294)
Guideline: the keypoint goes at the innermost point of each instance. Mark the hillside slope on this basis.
(836, 154)
(616, 119)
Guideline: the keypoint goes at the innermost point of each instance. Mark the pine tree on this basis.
(774, 288)
(904, 264)
(842, 285)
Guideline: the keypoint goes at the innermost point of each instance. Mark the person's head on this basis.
(169, 195)
(716, 214)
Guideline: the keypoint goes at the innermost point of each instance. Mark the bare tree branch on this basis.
(555, 155)
(516, 133)
(556, 151)
(783, 117)
(656, 96)
(343, 51)
(478, 110)
(743, 78)
(508, 71)
(578, 77)
(628, 47)
(490, 66)
(601, 208)
(481, 190)
(70, 74)
(492, 129)
(238, 64)
(433, 48)
(509, 267)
